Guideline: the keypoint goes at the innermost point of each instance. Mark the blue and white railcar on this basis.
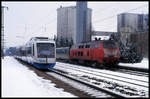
(40, 52)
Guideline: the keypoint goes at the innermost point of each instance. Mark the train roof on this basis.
(95, 41)
(40, 39)
(63, 48)
(90, 44)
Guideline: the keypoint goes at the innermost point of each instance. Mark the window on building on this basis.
(123, 20)
(140, 22)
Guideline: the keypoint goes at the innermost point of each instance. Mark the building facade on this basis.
(67, 31)
(66, 24)
(83, 23)
(131, 23)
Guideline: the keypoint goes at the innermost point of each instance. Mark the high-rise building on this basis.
(67, 25)
(83, 23)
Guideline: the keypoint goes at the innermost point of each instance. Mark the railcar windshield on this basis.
(109, 44)
(45, 50)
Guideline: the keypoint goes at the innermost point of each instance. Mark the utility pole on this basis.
(2, 30)
(25, 28)
(45, 27)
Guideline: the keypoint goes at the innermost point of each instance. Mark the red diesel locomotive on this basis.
(96, 52)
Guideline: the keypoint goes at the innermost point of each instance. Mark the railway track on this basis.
(98, 73)
(132, 72)
(127, 70)
(94, 87)
(82, 91)
(125, 85)
(111, 89)
(142, 70)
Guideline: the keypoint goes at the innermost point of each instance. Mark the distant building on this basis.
(66, 24)
(131, 23)
(83, 23)
(134, 30)
(67, 28)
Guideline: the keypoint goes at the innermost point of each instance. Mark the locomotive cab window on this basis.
(45, 50)
(109, 45)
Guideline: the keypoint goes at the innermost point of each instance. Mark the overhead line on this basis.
(117, 14)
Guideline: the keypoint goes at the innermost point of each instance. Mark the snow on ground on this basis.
(144, 64)
(102, 74)
(19, 81)
(126, 82)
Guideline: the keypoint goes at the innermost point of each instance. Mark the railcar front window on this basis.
(45, 50)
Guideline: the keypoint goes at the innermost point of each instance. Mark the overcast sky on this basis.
(24, 20)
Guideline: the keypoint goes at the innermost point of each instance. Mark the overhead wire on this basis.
(108, 18)
(40, 25)
(117, 14)
(95, 22)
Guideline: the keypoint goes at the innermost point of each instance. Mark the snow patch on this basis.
(19, 81)
(144, 64)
